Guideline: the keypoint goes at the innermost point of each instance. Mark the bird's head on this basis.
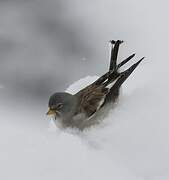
(62, 105)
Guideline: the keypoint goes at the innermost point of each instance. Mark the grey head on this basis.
(62, 105)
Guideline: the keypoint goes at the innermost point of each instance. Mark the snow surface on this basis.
(131, 144)
(133, 141)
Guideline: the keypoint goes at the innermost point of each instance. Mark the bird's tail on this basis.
(114, 90)
(113, 75)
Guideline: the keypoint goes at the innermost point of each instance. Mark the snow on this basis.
(82, 83)
(28, 153)
(131, 143)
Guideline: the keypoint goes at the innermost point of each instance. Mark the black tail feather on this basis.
(113, 73)
(113, 63)
(114, 90)
(114, 54)
(125, 61)
(123, 76)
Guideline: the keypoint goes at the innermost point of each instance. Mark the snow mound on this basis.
(80, 84)
(135, 133)
(131, 143)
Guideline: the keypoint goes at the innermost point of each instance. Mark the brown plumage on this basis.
(90, 99)
(77, 110)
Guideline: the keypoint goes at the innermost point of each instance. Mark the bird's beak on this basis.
(51, 112)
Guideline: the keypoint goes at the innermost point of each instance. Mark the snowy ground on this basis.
(131, 144)
(133, 141)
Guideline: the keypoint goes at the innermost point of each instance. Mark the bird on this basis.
(80, 109)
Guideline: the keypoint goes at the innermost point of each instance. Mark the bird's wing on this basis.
(91, 98)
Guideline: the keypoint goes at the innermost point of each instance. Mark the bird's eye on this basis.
(59, 106)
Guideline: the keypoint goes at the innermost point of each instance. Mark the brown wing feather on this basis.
(91, 98)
